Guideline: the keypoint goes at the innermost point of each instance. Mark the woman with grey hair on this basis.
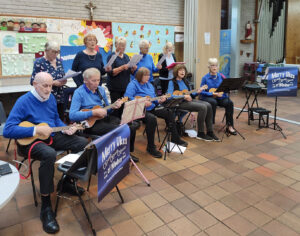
(213, 80)
(147, 60)
(51, 64)
(119, 77)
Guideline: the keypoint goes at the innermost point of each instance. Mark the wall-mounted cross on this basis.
(91, 7)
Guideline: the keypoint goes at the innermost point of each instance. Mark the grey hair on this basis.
(88, 73)
(143, 43)
(167, 46)
(52, 45)
(213, 61)
(120, 40)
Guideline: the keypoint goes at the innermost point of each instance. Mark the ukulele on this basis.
(29, 140)
(91, 120)
(212, 90)
(187, 92)
(150, 99)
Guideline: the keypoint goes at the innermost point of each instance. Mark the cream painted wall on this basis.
(209, 21)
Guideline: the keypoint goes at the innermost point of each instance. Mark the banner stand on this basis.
(141, 173)
(275, 125)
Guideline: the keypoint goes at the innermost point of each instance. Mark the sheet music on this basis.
(133, 110)
(135, 60)
(111, 60)
(72, 157)
(161, 60)
(70, 74)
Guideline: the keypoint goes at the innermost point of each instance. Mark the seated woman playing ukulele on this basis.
(213, 80)
(141, 86)
(205, 114)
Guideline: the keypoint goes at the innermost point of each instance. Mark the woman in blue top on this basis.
(213, 80)
(204, 109)
(141, 87)
(51, 64)
(147, 60)
(88, 58)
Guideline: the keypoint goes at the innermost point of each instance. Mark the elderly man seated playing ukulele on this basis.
(39, 106)
(90, 104)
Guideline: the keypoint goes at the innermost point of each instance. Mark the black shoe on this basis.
(214, 137)
(50, 225)
(69, 188)
(134, 158)
(154, 152)
(203, 136)
(180, 142)
(231, 132)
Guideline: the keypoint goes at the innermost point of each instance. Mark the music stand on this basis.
(226, 86)
(173, 105)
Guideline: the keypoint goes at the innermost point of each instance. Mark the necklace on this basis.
(92, 57)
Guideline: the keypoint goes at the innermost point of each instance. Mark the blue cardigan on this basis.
(212, 82)
(84, 98)
(147, 61)
(134, 88)
(29, 108)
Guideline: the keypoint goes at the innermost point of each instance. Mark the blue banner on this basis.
(113, 159)
(282, 81)
(225, 52)
(68, 53)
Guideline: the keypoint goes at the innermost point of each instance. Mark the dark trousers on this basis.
(164, 86)
(107, 124)
(151, 123)
(114, 96)
(205, 113)
(47, 156)
(226, 103)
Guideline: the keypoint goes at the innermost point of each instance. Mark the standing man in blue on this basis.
(39, 106)
(147, 60)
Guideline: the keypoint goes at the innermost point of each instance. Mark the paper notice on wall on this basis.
(32, 42)
(207, 38)
(8, 42)
(17, 64)
(57, 37)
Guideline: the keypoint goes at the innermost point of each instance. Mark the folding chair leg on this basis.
(8, 145)
(84, 208)
(121, 197)
(33, 185)
(58, 193)
(88, 187)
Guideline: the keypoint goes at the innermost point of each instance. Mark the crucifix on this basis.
(91, 7)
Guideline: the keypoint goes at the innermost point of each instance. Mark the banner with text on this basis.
(113, 159)
(282, 81)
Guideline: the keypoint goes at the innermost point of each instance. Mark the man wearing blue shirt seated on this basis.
(39, 106)
(83, 107)
(142, 87)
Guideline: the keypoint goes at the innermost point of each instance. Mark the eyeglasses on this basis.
(54, 51)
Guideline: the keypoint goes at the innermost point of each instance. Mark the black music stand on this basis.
(171, 104)
(226, 86)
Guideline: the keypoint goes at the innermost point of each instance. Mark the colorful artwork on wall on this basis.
(157, 35)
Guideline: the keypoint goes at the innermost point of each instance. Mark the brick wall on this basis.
(247, 14)
(137, 11)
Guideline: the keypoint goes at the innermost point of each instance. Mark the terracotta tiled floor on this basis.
(236, 187)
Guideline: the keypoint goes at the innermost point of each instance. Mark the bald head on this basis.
(42, 76)
(43, 84)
